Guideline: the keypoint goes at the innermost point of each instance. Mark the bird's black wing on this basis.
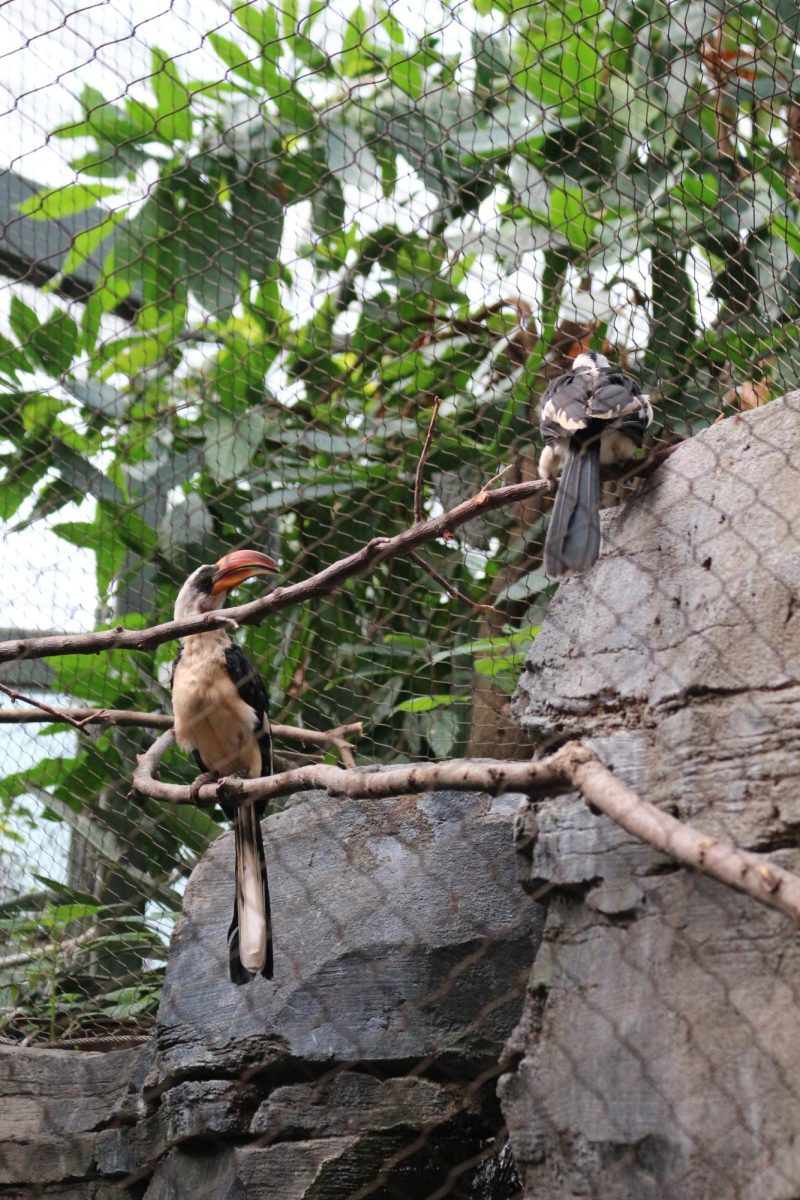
(566, 405)
(254, 694)
(615, 395)
(247, 818)
(619, 399)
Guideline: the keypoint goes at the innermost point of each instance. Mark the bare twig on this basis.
(497, 475)
(335, 739)
(572, 767)
(81, 717)
(421, 464)
(39, 705)
(51, 948)
(377, 550)
(447, 586)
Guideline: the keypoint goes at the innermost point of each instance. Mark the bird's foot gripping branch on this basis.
(572, 768)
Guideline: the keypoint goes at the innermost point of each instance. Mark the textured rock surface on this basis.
(659, 1049)
(391, 917)
(403, 945)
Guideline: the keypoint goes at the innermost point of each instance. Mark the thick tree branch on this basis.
(531, 778)
(737, 868)
(573, 767)
(377, 550)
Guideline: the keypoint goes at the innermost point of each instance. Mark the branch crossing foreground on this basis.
(370, 555)
(572, 768)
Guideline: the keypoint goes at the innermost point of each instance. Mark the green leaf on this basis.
(84, 243)
(54, 343)
(32, 462)
(409, 77)
(23, 320)
(327, 208)
(518, 640)
(79, 472)
(426, 703)
(232, 443)
(64, 201)
(570, 218)
(237, 59)
(12, 359)
(442, 732)
(173, 112)
(262, 27)
(99, 397)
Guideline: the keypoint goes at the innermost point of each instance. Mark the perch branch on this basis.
(49, 950)
(573, 767)
(531, 778)
(421, 464)
(377, 550)
(81, 717)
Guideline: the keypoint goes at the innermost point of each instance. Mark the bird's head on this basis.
(590, 360)
(207, 588)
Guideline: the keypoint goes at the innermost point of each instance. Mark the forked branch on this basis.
(572, 768)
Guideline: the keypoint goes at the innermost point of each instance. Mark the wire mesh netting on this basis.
(290, 278)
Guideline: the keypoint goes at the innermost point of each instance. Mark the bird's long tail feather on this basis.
(572, 545)
(250, 934)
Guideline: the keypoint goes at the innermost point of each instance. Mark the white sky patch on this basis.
(47, 583)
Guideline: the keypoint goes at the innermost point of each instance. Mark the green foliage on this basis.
(296, 317)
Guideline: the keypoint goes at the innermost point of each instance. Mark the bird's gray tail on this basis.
(250, 934)
(572, 545)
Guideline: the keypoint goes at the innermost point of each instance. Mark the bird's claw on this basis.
(197, 784)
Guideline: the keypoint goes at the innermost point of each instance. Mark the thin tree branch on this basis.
(447, 586)
(335, 739)
(418, 477)
(51, 948)
(43, 709)
(572, 767)
(81, 717)
(376, 551)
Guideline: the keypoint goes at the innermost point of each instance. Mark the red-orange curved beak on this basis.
(233, 569)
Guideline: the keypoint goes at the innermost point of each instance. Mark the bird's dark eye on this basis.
(205, 579)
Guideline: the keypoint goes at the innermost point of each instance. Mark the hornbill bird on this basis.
(592, 416)
(220, 708)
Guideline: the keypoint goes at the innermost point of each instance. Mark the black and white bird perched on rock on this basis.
(591, 417)
(220, 708)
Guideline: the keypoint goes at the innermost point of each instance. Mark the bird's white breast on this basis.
(210, 715)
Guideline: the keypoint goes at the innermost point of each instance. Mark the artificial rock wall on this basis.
(403, 946)
(659, 1051)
